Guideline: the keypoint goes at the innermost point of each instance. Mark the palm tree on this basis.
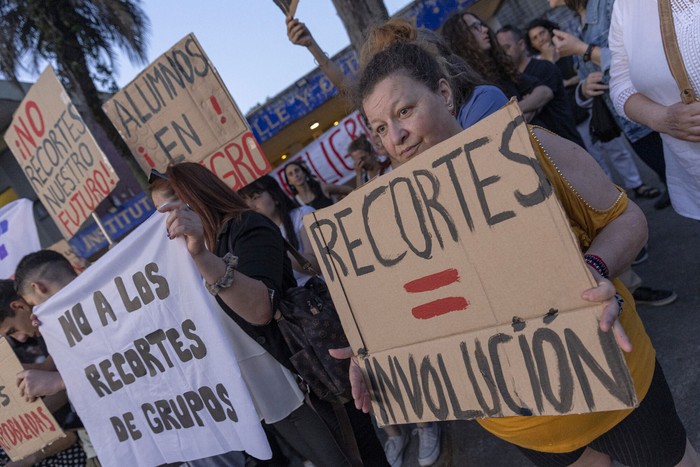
(79, 38)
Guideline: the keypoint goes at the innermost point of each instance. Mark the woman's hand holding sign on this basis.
(360, 393)
(604, 293)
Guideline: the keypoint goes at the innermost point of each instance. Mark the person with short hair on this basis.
(366, 160)
(557, 115)
(16, 323)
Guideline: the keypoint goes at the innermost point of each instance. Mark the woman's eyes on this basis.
(381, 129)
(404, 112)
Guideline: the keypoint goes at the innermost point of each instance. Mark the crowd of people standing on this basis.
(416, 89)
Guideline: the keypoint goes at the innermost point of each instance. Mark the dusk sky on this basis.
(246, 41)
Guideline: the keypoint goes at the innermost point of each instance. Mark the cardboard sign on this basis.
(327, 156)
(58, 154)
(458, 278)
(25, 427)
(146, 357)
(288, 7)
(18, 235)
(178, 109)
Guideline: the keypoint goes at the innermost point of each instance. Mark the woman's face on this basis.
(539, 37)
(408, 116)
(478, 30)
(160, 197)
(262, 203)
(295, 175)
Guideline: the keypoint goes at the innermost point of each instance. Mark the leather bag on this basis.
(603, 126)
(310, 325)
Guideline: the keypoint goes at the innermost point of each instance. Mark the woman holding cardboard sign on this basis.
(242, 259)
(407, 101)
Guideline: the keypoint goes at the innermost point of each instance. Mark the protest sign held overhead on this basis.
(288, 7)
(458, 281)
(178, 109)
(58, 154)
(25, 427)
(146, 357)
(18, 235)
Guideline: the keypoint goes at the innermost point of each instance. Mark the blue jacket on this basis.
(595, 31)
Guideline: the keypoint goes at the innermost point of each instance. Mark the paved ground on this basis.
(674, 263)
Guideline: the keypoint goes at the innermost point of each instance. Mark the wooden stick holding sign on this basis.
(25, 428)
(288, 7)
(102, 228)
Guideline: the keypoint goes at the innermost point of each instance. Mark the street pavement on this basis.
(674, 263)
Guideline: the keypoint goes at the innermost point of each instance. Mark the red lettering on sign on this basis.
(240, 164)
(24, 136)
(24, 427)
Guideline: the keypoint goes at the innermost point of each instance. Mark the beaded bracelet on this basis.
(597, 263)
(227, 279)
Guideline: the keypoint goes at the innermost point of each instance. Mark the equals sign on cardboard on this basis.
(439, 306)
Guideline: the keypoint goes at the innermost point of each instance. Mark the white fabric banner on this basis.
(327, 156)
(18, 235)
(146, 359)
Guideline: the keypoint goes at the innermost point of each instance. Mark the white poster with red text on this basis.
(327, 156)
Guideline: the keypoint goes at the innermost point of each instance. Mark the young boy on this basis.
(16, 323)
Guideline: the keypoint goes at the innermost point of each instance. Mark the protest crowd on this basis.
(232, 281)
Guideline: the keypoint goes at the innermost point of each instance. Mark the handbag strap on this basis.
(673, 54)
(305, 264)
(345, 437)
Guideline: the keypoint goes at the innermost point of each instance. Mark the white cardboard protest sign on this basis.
(58, 154)
(146, 357)
(458, 282)
(18, 235)
(25, 427)
(178, 109)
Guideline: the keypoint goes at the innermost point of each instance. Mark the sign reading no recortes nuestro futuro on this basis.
(458, 281)
(178, 109)
(58, 154)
